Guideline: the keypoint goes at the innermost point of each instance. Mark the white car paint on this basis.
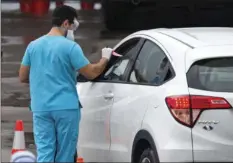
(113, 113)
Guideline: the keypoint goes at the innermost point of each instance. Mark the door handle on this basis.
(108, 96)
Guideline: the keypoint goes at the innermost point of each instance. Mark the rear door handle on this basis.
(108, 96)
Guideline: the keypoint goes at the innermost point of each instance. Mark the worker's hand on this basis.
(106, 53)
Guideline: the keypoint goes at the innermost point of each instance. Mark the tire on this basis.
(115, 14)
(148, 156)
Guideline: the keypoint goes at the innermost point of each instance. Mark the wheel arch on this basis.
(143, 135)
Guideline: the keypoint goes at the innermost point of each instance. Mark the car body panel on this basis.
(94, 140)
(108, 127)
(194, 55)
(173, 140)
(212, 140)
(215, 144)
(127, 113)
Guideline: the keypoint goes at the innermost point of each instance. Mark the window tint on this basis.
(151, 66)
(212, 75)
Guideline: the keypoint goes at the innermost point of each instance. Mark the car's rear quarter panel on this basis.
(215, 144)
(172, 139)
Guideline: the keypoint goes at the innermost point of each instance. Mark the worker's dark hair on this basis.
(62, 13)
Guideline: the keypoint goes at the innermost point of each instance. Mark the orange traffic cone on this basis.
(80, 160)
(19, 140)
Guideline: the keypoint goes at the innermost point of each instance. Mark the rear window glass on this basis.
(212, 75)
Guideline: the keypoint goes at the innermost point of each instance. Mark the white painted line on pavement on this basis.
(9, 62)
(6, 6)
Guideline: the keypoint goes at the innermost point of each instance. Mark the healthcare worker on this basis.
(49, 65)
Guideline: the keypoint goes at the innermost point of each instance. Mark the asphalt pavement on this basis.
(17, 31)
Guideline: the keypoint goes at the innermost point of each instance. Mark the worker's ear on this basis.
(66, 23)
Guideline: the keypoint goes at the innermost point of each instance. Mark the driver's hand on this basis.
(106, 53)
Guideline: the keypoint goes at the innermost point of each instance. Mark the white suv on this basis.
(168, 98)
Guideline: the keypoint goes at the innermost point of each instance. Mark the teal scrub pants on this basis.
(56, 135)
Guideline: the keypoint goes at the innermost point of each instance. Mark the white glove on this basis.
(106, 53)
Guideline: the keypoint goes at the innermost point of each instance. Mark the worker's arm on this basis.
(84, 67)
(91, 71)
(25, 67)
(24, 74)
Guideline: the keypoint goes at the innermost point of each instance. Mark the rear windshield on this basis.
(212, 75)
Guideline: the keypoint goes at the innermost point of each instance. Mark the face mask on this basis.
(70, 33)
(75, 25)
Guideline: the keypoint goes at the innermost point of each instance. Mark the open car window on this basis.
(117, 65)
(117, 71)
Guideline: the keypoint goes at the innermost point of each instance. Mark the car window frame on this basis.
(130, 64)
(154, 41)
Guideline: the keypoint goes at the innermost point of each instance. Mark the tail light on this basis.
(187, 109)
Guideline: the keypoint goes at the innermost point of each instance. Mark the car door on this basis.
(96, 99)
(131, 99)
(93, 145)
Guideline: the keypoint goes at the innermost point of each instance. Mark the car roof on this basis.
(196, 36)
